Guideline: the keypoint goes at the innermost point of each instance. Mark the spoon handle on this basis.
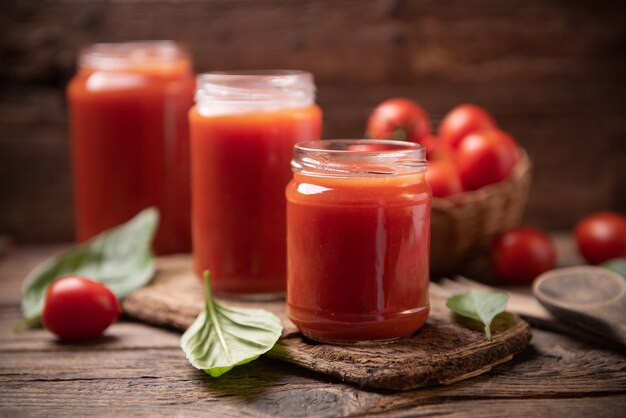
(614, 319)
(606, 323)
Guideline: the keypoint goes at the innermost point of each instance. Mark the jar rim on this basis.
(359, 157)
(112, 55)
(241, 85)
(242, 91)
(225, 75)
(343, 146)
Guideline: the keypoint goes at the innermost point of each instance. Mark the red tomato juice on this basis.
(240, 167)
(358, 256)
(130, 143)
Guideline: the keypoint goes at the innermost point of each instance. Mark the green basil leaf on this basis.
(618, 265)
(120, 257)
(223, 337)
(479, 306)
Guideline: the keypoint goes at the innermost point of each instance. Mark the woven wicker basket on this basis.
(463, 225)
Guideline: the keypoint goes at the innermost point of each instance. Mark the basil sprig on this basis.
(120, 257)
(479, 306)
(223, 337)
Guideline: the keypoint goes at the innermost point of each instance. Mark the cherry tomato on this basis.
(601, 236)
(486, 157)
(443, 178)
(400, 119)
(521, 254)
(77, 308)
(463, 120)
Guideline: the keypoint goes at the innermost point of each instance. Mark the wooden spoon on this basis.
(590, 297)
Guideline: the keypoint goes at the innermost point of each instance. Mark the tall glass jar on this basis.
(128, 107)
(243, 129)
(358, 236)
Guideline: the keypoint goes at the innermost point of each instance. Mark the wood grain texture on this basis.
(550, 71)
(442, 352)
(137, 370)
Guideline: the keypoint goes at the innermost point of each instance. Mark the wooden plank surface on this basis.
(442, 352)
(137, 370)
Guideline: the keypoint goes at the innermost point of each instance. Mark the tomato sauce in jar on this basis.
(243, 130)
(358, 236)
(128, 107)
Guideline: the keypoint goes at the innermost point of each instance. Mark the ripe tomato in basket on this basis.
(520, 255)
(400, 119)
(462, 121)
(486, 157)
(443, 178)
(437, 150)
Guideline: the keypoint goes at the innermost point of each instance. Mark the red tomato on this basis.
(486, 157)
(400, 119)
(443, 177)
(602, 236)
(521, 254)
(430, 143)
(463, 120)
(437, 149)
(77, 308)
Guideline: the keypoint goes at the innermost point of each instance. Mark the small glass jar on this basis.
(128, 106)
(243, 129)
(358, 235)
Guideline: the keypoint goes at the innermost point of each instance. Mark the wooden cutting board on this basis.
(442, 352)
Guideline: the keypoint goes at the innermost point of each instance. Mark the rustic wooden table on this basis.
(136, 369)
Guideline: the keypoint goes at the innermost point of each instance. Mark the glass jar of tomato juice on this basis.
(358, 235)
(128, 107)
(243, 129)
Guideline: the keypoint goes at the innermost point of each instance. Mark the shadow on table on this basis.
(95, 342)
(277, 388)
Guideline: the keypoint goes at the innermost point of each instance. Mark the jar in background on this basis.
(243, 129)
(358, 234)
(128, 107)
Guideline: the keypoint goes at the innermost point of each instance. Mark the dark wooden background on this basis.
(553, 73)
